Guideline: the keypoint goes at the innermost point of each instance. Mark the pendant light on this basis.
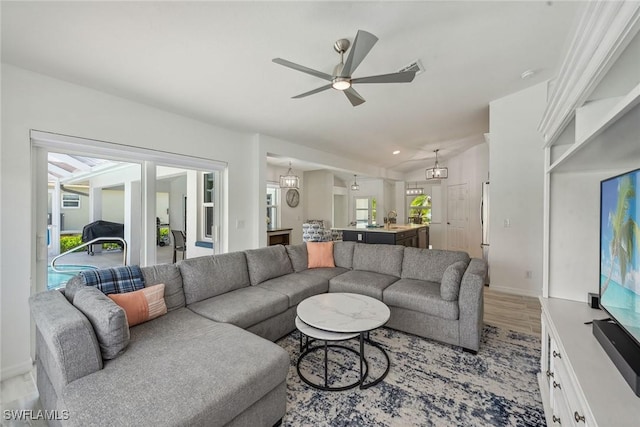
(289, 180)
(436, 172)
(355, 186)
(415, 191)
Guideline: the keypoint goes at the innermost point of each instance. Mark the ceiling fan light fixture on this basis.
(289, 180)
(341, 83)
(436, 172)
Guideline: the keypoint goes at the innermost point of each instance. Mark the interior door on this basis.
(458, 217)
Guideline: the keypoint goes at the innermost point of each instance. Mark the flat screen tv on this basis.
(620, 271)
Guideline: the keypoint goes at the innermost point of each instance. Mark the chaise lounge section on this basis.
(211, 359)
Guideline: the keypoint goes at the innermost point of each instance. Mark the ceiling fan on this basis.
(341, 79)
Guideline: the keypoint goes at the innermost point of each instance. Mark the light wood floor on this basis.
(515, 312)
(508, 311)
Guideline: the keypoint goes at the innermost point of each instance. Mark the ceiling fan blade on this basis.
(403, 77)
(311, 92)
(302, 68)
(354, 97)
(362, 44)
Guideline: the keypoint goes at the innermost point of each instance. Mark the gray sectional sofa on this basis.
(211, 359)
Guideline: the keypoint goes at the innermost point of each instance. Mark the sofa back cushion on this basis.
(107, 318)
(298, 256)
(169, 274)
(208, 276)
(383, 259)
(451, 279)
(429, 264)
(343, 254)
(268, 263)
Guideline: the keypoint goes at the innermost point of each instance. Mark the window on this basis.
(208, 202)
(365, 210)
(70, 201)
(419, 208)
(273, 196)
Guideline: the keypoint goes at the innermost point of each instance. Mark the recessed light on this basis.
(396, 152)
(527, 74)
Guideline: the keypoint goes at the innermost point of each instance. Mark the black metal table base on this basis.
(364, 366)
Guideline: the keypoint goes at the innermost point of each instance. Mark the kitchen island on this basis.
(413, 235)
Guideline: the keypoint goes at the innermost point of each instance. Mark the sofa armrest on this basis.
(471, 304)
(66, 345)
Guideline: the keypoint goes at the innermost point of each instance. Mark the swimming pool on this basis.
(58, 279)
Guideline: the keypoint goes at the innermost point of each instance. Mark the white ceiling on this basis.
(212, 61)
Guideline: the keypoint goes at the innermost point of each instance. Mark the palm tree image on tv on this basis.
(620, 256)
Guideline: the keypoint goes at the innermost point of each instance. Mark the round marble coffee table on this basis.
(338, 317)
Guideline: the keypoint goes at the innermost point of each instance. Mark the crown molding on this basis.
(603, 32)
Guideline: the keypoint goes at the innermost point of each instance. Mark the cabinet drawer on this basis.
(574, 404)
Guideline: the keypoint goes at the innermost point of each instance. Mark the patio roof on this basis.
(67, 167)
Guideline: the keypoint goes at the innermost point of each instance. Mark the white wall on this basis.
(516, 174)
(113, 205)
(75, 218)
(318, 195)
(33, 101)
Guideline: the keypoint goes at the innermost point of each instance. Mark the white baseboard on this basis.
(516, 291)
(15, 370)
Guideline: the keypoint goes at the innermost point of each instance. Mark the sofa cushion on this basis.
(421, 296)
(268, 263)
(243, 307)
(361, 282)
(429, 264)
(383, 259)
(450, 285)
(298, 256)
(107, 318)
(297, 286)
(73, 285)
(326, 273)
(188, 371)
(143, 305)
(169, 274)
(320, 254)
(343, 254)
(208, 276)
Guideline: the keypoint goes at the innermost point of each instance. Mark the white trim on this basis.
(515, 291)
(112, 150)
(546, 221)
(15, 370)
(604, 31)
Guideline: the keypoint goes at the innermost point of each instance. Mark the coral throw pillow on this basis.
(320, 254)
(142, 305)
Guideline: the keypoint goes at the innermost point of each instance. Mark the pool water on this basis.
(58, 279)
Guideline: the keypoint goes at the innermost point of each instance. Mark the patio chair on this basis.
(179, 243)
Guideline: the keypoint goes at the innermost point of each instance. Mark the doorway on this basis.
(458, 217)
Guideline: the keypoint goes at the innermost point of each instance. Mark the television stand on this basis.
(623, 351)
(579, 383)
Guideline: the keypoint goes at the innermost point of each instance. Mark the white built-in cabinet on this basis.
(579, 384)
(591, 129)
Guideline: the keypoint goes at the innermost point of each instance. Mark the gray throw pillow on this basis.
(450, 285)
(108, 319)
(298, 256)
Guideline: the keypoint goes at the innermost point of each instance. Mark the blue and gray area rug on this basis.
(429, 384)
